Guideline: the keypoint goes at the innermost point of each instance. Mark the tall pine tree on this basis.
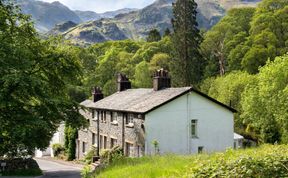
(187, 68)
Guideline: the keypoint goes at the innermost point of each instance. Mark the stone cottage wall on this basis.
(133, 134)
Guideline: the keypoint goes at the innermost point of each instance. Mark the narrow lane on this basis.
(53, 169)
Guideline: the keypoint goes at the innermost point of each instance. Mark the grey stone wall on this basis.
(133, 133)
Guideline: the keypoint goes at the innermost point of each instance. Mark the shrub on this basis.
(57, 149)
(88, 157)
(86, 171)
(109, 156)
(20, 167)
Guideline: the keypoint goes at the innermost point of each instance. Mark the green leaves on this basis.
(265, 101)
(34, 76)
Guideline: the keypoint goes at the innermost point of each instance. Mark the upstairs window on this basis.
(103, 116)
(113, 118)
(194, 128)
(129, 120)
(94, 115)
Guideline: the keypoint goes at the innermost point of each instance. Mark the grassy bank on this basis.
(265, 161)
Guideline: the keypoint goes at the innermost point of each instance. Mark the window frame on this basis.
(194, 128)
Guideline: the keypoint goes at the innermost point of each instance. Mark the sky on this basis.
(103, 5)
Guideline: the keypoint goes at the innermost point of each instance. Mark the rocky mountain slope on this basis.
(47, 15)
(90, 27)
(137, 24)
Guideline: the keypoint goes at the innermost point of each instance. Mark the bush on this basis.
(109, 156)
(86, 171)
(88, 157)
(57, 149)
(20, 167)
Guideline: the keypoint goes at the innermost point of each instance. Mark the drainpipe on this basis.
(98, 134)
(123, 132)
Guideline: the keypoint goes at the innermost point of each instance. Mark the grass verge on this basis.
(264, 161)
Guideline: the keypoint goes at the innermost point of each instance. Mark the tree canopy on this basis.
(34, 75)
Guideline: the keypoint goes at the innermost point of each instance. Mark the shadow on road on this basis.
(64, 174)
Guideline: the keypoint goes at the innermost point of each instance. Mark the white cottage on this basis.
(182, 120)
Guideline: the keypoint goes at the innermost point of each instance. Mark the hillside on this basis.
(265, 161)
(47, 15)
(136, 24)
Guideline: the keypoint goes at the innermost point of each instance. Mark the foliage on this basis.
(167, 32)
(220, 42)
(187, 59)
(112, 155)
(23, 172)
(228, 90)
(265, 161)
(153, 35)
(71, 134)
(20, 167)
(246, 38)
(88, 157)
(86, 172)
(143, 77)
(34, 76)
(57, 149)
(265, 102)
(128, 57)
(155, 144)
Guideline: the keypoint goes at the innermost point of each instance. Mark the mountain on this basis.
(112, 14)
(47, 15)
(88, 15)
(136, 24)
(121, 24)
(62, 27)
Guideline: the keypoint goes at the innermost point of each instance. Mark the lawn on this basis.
(264, 161)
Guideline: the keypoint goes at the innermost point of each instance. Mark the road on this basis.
(53, 169)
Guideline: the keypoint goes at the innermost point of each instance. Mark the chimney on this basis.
(97, 94)
(161, 80)
(123, 82)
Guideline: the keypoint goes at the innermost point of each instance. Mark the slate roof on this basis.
(142, 100)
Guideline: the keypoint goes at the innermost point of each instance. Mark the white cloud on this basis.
(103, 5)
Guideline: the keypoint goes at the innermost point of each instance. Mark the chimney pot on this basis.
(161, 80)
(97, 94)
(123, 82)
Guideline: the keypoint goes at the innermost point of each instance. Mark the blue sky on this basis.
(103, 5)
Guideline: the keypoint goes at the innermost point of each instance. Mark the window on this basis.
(129, 149)
(94, 115)
(194, 128)
(101, 142)
(83, 147)
(113, 142)
(200, 149)
(93, 138)
(129, 120)
(139, 151)
(105, 142)
(113, 118)
(103, 116)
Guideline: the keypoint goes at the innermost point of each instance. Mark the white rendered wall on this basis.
(215, 125)
(170, 126)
